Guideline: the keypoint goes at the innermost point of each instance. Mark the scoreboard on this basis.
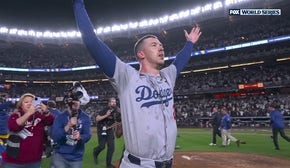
(256, 85)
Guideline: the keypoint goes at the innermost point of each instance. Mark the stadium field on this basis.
(258, 141)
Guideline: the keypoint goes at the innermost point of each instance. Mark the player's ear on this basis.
(140, 55)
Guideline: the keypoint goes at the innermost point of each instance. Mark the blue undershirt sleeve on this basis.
(101, 53)
(183, 57)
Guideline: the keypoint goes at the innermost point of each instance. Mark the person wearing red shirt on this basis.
(26, 125)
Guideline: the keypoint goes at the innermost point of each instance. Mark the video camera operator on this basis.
(107, 120)
(71, 129)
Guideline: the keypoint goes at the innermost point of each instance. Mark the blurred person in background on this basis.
(226, 129)
(107, 121)
(216, 125)
(277, 122)
(5, 109)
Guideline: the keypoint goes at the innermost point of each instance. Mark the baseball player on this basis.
(146, 96)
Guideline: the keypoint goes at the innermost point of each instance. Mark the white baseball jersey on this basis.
(148, 117)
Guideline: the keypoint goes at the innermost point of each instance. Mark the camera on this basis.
(76, 93)
(104, 130)
(109, 122)
(37, 101)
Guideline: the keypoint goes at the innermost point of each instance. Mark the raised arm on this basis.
(184, 55)
(102, 54)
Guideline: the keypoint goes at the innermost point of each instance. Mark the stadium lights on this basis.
(153, 22)
(217, 5)
(207, 7)
(64, 82)
(16, 81)
(233, 2)
(283, 59)
(246, 64)
(13, 31)
(31, 33)
(107, 29)
(209, 69)
(195, 11)
(4, 30)
(133, 25)
(123, 27)
(42, 82)
(90, 80)
(185, 72)
(143, 23)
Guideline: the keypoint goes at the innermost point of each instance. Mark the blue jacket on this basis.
(69, 149)
(55, 112)
(4, 110)
(277, 119)
(226, 122)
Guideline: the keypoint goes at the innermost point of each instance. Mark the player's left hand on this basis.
(193, 35)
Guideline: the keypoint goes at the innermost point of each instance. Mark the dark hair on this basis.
(111, 98)
(51, 104)
(138, 44)
(275, 104)
(224, 108)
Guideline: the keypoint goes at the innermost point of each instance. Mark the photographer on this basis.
(107, 120)
(70, 132)
(26, 126)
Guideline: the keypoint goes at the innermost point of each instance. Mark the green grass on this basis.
(258, 142)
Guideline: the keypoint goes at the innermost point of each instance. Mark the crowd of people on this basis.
(225, 80)
(147, 94)
(193, 85)
(191, 112)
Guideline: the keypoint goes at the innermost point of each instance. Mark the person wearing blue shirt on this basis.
(226, 127)
(277, 122)
(49, 145)
(4, 115)
(70, 132)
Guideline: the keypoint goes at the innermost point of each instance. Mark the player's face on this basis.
(153, 52)
(215, 110)
(224, 111)
(76, 104)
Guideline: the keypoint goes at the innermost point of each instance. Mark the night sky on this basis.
(58, 14)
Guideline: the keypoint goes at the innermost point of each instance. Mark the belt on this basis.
(158, 164)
